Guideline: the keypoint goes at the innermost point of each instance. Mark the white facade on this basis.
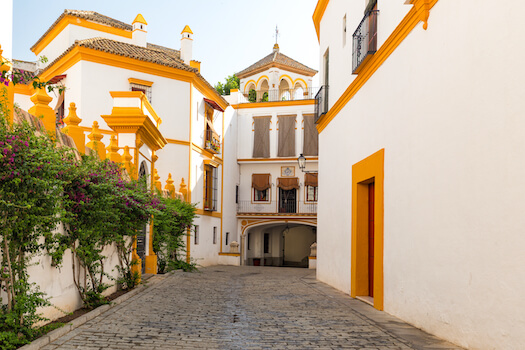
(6, 28)
(450, 127)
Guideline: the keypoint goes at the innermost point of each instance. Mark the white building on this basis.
(273, 214)
(421, 172)
(153, 99)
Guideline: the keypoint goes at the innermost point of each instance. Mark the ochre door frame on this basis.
(370, 169)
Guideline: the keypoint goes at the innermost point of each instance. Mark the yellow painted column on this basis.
(42, 110)
(72, 129)
(112, 149)
(9, 90)
(95, 142)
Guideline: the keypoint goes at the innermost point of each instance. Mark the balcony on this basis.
(274, 95)
(321, 102)
(364, 41)
(277, 208)
(212, 142)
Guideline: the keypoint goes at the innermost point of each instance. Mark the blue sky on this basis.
(229, 35)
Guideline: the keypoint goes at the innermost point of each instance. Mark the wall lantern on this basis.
(302, 164)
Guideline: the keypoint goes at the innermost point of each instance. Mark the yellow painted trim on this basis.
(140, 19)
(187, 29)
(188, 238)
(416, 14)
(140, 82)
(91, 55)
(274, 104)
(300, 79)
(81, 22)
(318, 16)
(208, 213)
(222, 175)
(178, 142)
(258, 80)
(132, 110)
(368, 170)
(22, 89)
(248, 84)
(230, 254)
(312, 257)
(139, 30)
(290, 80)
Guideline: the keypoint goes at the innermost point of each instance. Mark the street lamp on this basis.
(302, 164)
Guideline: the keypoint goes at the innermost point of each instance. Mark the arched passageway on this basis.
(283, 244)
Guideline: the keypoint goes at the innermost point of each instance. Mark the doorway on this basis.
(287, 201)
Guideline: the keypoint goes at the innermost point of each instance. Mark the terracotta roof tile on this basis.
(152, 53)
(277, 58)
(90, 16)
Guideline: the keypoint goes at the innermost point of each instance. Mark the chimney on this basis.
(186, 45)
(140, 31)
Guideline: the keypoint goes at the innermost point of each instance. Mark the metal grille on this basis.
(145, 89)
(364, 39)
(321, 102)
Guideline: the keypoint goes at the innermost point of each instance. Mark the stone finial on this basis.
(313, 249)
(234, 247)
(73, 130)
(169, 186)
(42, 110)
(95, 142)
(126, 157)
(156, 178)
(183, 189)
(112, 149)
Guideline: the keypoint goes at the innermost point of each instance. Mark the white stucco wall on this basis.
(67, 37)
(451, 128)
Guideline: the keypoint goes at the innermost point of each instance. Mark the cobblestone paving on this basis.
(227, 307)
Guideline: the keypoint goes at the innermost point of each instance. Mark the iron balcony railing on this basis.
(364, 41)
(274, 95)
(321, 102)
(277, 208)
(212, 143)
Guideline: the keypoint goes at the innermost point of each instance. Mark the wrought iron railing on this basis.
(321, 102)
(277, 207)
(273, 95)
(364, 40)
(211, 142)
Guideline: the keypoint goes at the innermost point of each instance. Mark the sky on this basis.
(229, 35)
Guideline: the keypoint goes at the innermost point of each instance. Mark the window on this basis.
(311, 136)
(212, 141)
(344, 31)
(261, 137)
(261, 187)
(286, 136)
(227, 238)
(237, 194)
(266, 243)
(310, 183)
(196, 235)
(214, 235)
(145, 89)
(210, 188)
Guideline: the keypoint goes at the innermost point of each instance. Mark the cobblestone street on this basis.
(226, 307)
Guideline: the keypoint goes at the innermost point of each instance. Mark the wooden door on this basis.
(371, 191)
